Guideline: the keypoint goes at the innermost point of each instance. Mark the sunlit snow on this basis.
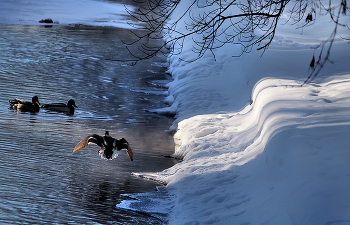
(257, 148)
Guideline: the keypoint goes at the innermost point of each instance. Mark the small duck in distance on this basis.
(107, 144)
(61, 107)
(25, 106)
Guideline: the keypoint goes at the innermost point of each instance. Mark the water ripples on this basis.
(41, 181)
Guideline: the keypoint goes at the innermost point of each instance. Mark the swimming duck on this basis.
(21, 105)
(61, 107)
(107, 144)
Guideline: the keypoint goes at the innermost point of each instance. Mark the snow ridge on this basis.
(231, 171)
(256, 147)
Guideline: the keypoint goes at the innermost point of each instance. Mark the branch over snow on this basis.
(212, 24)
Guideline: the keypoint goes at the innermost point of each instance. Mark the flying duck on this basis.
(21, 105)
(107, 144)
(61, 107)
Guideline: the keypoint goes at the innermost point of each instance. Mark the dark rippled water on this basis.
(41, 181)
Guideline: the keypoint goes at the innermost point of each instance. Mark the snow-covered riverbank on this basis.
(257, 147)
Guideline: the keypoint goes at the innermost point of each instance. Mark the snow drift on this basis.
(257, 148)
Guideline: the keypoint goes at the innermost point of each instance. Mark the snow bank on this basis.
(282, 160)
(257, 147)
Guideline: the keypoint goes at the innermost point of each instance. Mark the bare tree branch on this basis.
(213, 24)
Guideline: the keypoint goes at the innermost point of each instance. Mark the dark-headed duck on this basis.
(61, 107)
(107, 144)
(21, 105)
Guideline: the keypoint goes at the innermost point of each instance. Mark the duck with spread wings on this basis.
(107, 144)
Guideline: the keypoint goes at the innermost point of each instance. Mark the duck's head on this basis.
(35, 100)
(71, 102)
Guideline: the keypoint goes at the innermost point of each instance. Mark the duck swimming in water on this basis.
(107, 144)
(21, 105)
(61, 107)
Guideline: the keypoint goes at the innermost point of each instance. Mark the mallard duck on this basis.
(107, 144)
(61, 107)
(21, 105)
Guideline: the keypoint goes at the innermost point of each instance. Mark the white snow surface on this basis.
(257, 148)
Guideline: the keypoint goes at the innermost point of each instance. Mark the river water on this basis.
(41, 181)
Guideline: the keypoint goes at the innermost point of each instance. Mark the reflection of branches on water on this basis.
(155, 14)
(216, 23)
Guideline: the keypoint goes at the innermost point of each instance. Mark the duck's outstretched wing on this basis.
(130, 154)
(123, 144)
(93, 138)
